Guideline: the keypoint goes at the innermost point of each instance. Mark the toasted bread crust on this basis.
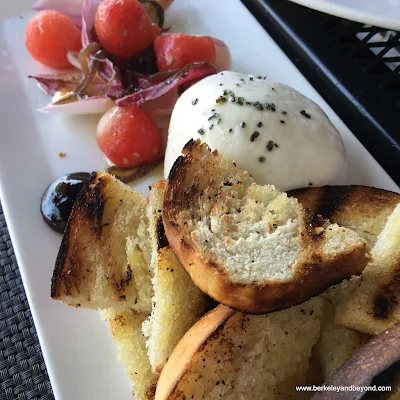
(311, 276)
(92, 207)
(335, 202)
(76, 274)
(187, 347)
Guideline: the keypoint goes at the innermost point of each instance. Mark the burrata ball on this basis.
(269, 129)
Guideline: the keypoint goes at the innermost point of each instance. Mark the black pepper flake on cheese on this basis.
(219, 84)
(225, 93)
(310, 184)
(273, 89)
(270, 106)
(243, 124)
(242, 80)
(221, 99)
(270, 145)
(231, 99)
(213, 116)
(201, 131)
(284, 112)
(230, 130)
(221, 73)
(254, 136)
(261, 159)
(195, 101)
(211, 126)
(251, 78)
(259, 77)
(265, 78)
(282, 121)
(259, 124)
(240, 103)
(259, 106)
(213, 110)
(237, 84)
(305, 114)
(219, 120)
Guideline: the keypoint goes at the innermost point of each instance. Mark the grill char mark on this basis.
(332, 199)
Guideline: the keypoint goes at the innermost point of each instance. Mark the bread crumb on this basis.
(62, 154)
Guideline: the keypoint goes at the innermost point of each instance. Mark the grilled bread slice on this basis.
(177, 303)
(336, 342)
(231, 355)
(125, 328)
(104, 257)
(363, 209)
(374, 305)
(247, 246)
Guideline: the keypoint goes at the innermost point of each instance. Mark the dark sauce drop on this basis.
(59, 198)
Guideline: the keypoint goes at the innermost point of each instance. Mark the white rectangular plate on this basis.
(79, 353)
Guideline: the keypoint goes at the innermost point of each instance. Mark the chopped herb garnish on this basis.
(305, 114)
(254, 136)
(270, 145)
(220, 99)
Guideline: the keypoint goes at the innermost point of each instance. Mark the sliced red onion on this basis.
(58, 81)
(223, 55)
(107, 71)
(71, 8)
(155, 88)
(90, 105)
(89, 9)
(161, 106)
(73, 58)
(67, 80)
